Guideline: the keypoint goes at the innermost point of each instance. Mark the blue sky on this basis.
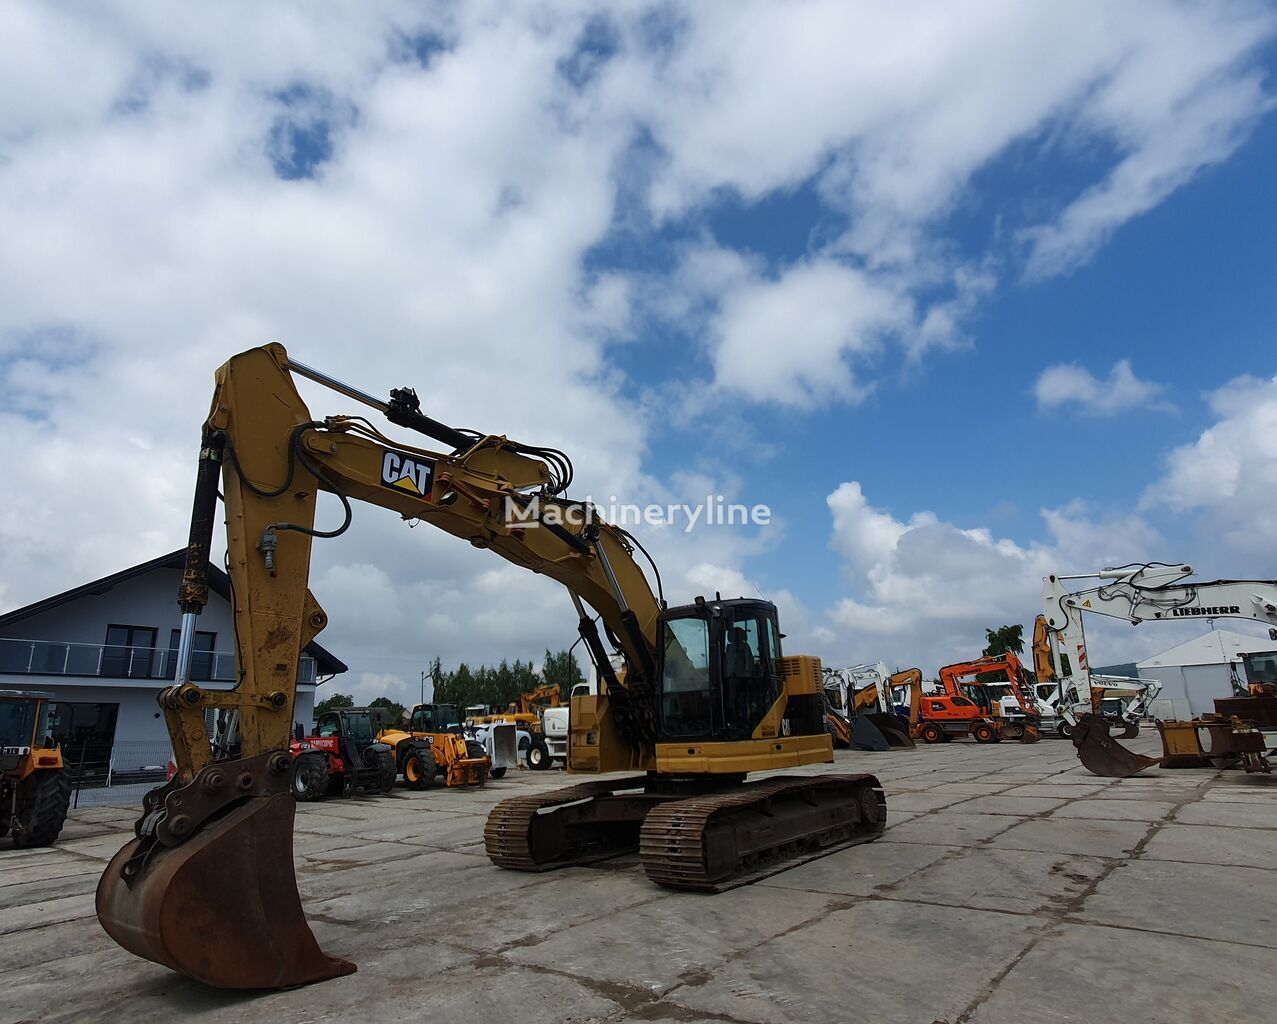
(966, 293)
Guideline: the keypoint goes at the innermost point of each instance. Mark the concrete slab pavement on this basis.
(1009, 881)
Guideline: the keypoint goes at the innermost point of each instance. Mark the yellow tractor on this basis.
(35, 789)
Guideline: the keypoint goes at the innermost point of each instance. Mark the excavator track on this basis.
(719, 841)
(523, 835)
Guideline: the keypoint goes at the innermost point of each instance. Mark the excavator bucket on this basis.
(876, 730)
(1102, 755)
(1031, 734)
(221, 907)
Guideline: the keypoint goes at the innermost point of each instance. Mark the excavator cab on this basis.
(719, 672)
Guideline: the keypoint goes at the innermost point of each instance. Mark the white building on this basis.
(108, 647)
(1197, 671)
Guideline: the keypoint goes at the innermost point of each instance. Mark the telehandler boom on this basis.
(705, 696)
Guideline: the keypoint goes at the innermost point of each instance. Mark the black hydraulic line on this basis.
(192, 594)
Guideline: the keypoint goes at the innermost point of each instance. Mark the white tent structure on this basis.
(1197, 671)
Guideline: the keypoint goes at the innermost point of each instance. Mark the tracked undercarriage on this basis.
(707, 841)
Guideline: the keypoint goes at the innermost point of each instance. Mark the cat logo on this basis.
(409, 473)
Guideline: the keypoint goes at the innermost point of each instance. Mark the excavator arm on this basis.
(221, 821)
(1142, 592)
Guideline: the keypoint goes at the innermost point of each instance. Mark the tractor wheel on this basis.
(499, 773)
(475, 749)
(932, 733)
(42, 808)
(310, 777)
(1131, 730)
(419, 769)
(538, 755)
(984, 733)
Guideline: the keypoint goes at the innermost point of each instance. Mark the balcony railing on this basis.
(111, 661)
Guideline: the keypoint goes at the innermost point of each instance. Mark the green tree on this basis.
(561, 669)
(1007, 639)
(397, 710)
(337, 700)
(1000, 641)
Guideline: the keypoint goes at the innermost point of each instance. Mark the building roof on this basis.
(326, 663)
(1218, 647)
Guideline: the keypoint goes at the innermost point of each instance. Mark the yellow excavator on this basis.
(705, 696)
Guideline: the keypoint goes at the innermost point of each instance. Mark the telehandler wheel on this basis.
(310, 777)
(42, 808)
(1131, 730)
(538, 755)
(386, 762)
(984, 733)
(419, 769)
(1064, 730)
(932, 733)
(498, 773)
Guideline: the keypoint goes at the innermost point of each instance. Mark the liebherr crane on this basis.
(1140, 592)
(705, 696)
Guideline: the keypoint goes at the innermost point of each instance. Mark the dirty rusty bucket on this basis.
(876, 730)
(1031, 734)
(1102, 755)
(221, 907)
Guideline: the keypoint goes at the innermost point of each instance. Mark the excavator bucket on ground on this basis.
(877, 730)
(1102, 755)
(222, 906)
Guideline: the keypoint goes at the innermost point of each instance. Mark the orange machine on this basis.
(969, 706)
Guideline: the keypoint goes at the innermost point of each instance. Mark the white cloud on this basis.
(1229, 474)
(924, 590)
(444, 242)
(1067, 384)
(790, 340)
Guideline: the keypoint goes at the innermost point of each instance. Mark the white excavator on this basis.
(1147, 592)
(859, 707)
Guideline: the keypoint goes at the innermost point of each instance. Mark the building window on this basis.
(129, 652)
(201, 655)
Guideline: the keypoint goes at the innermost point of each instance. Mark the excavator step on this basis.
(719, 841)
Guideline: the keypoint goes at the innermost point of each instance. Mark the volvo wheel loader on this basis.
(35, 789)
(706, 694)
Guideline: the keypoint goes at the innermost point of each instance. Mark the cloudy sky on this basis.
(966, 294)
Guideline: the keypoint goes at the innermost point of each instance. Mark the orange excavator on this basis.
(971, 704)
(706, 694)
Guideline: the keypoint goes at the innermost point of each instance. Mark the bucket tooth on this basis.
(221, 907)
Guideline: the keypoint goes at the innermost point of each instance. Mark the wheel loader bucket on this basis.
(876, 730)
(1102, 755)
(221, 907)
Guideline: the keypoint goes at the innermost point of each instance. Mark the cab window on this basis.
(329, 726)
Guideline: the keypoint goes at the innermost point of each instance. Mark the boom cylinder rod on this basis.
(319, 377)
(192, 594)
